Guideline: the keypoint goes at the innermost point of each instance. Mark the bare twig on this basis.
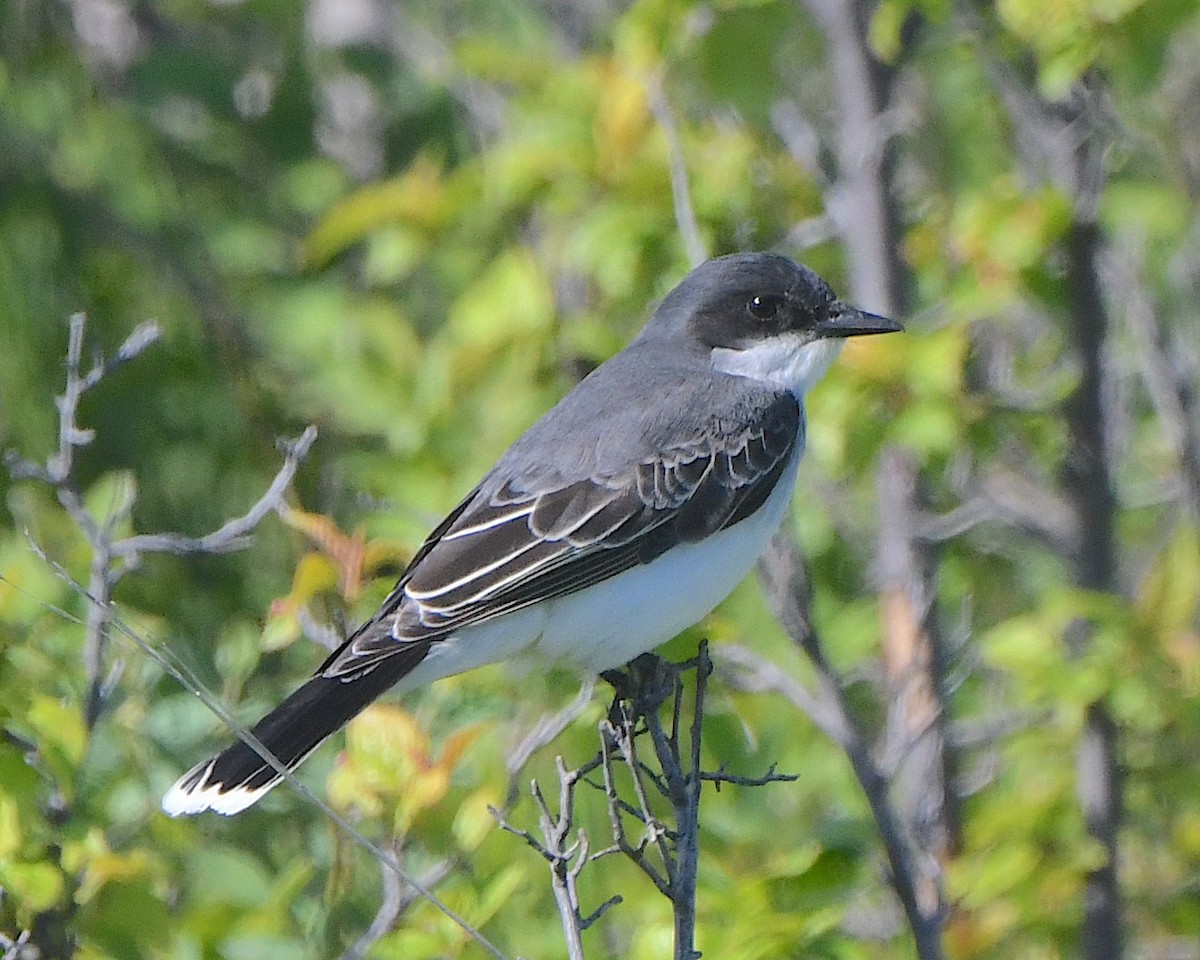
(1006, 498)
(546, 730)
(112, 559)
(14, 949)
(57, 468)
(387, 914)
(232, 534)
(622, 736)
(744, 669)
(685, 215)
(719, 777)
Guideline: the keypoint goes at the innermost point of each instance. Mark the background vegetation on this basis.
(415, 224)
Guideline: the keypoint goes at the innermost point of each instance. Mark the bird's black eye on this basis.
(765, 306)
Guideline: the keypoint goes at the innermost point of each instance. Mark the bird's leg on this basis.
(623, 693)
(644, 683)
(648, 681)
(619, 681)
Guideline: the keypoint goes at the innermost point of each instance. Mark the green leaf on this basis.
(510, 299)
(10, 828)
(35, 886)
(262, 947)
(224, 874)
(60, 726)
(415, 197)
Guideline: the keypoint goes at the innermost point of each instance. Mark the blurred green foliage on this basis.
(417, 234)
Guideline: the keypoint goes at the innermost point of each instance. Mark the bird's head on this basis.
(763, 316)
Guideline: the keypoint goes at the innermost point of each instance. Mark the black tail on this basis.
(239, 777)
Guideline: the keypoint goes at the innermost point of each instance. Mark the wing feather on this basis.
(559, 513)
(515, 543)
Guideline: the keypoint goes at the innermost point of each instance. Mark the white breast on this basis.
(613, 622)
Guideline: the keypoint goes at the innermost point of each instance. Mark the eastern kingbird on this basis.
(623, 516)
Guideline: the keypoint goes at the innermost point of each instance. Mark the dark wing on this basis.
(503, 551)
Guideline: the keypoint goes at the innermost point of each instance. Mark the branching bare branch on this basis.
(112, 559)
(566, 858)
(786, 584)
(14, 949)
(665, 846)
(397, 898)
(232, 534)
(108, 566)
(720, 776)
(621, 738)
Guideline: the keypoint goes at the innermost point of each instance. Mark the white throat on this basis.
(785, 361)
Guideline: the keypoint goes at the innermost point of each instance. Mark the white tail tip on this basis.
(193, 793)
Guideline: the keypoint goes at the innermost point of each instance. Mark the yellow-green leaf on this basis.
(60, 725)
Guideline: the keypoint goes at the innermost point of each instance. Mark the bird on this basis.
(619, 519)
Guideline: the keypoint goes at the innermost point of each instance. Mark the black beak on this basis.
(846, 321)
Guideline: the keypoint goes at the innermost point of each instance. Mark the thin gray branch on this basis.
(721, 776)
(621, 735)
(546, 730)
(743, 669)
(1007, 498)
(233, 533)
(14, 949)
(70, 435)
(685, 215)
(112, 560)
(395, 901)
(385, 917)
(564, 873)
